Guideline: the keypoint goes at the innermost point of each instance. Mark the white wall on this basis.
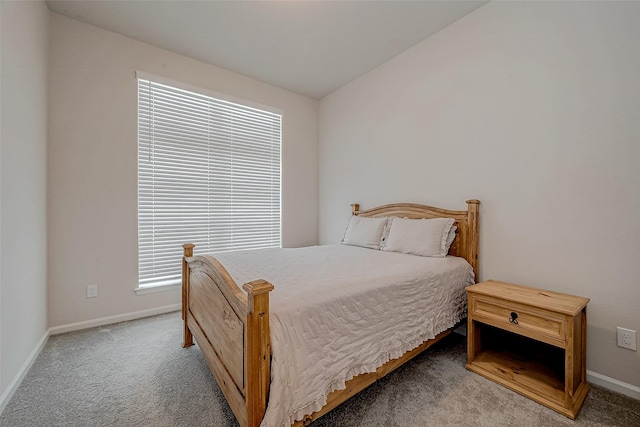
(23, 165)
(92, 205)
(533, 108)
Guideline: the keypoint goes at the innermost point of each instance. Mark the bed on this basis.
(235, 328)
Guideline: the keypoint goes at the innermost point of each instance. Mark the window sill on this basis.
(157, 288)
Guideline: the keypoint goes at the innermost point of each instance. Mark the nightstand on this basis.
(531, 341)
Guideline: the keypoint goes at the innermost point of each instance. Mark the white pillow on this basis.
(424, 237)
(450, 238)
(365, 231)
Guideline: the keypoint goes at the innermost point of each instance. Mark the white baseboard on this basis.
(613, 384)
(113, 319)
(17, 380)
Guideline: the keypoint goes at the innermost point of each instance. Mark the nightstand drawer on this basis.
(535, 323)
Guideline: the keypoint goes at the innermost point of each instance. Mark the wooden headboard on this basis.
(466, 243)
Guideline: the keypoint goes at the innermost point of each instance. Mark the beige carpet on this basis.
(136, 374)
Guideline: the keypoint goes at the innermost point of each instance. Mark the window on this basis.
(208, 174)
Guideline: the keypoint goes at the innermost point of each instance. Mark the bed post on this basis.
(257, 350)
(188, 253)
(355, 208)
(473, 207)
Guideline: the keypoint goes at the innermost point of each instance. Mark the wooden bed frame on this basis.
(231, 327)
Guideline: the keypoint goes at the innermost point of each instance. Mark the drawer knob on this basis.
(514, 318)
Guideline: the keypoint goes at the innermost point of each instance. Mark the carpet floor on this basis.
(136, 374)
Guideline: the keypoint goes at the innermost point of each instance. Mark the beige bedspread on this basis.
(338, 311)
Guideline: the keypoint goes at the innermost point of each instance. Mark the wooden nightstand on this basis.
(530, 340)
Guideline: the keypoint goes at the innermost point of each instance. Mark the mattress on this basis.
(338, 311)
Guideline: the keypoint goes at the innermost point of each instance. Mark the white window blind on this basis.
(208, 174)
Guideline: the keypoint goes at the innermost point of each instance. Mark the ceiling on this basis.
(308, 47)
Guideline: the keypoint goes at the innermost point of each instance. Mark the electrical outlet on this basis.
(92, 291)
(627, 338)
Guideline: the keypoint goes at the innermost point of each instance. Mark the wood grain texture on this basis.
(535, 323)
(552, 318)
(541, 298)
(235, 398)
(220, 324)
(216, 313)
(258, 350)
(187, 340)
(232, 327)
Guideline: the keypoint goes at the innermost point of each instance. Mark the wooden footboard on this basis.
(232, 331)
